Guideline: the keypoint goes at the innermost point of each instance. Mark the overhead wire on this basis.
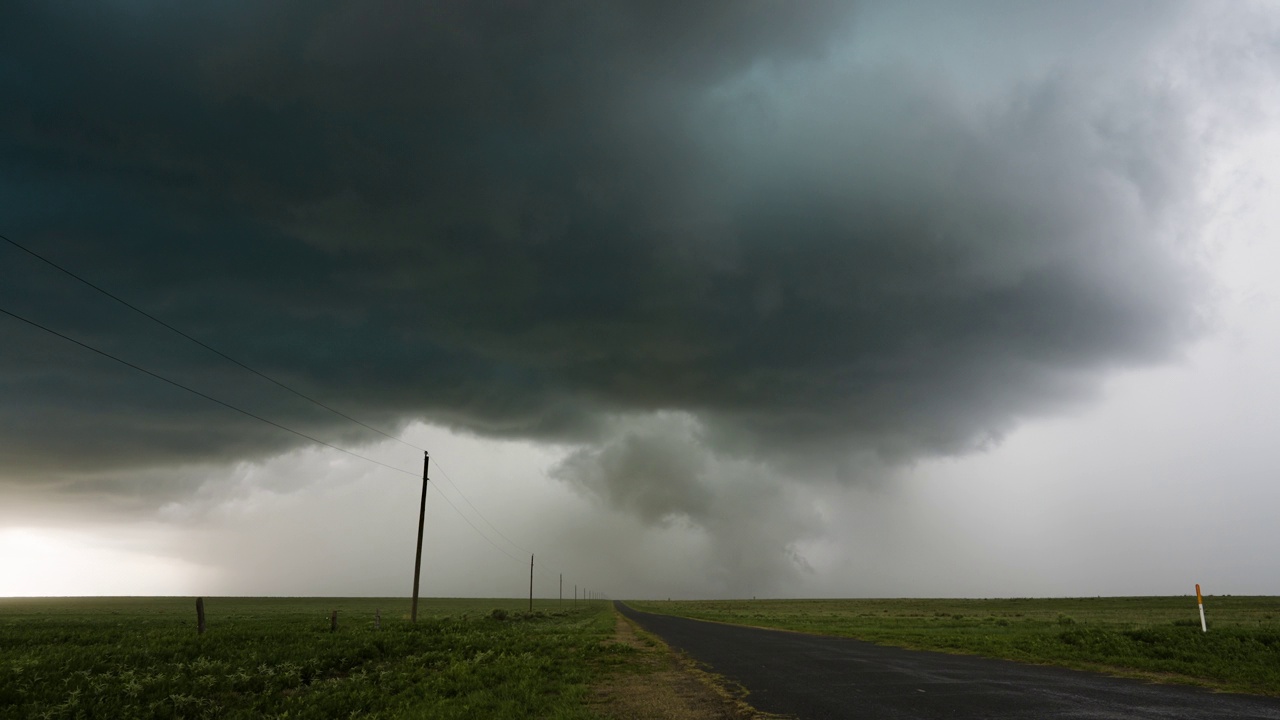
(193, 391)
(247, 413)
(503, 535)
(264, 376)
(245, 366)
(445, 473)
(204, 345)
(479, 532)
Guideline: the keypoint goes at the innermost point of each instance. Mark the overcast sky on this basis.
(722, 299)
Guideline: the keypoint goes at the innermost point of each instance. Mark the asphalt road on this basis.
(811, 677)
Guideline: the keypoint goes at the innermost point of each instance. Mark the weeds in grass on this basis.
(141, 658)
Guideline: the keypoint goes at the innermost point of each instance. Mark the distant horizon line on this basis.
(639, 599)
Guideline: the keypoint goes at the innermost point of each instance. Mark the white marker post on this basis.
(1200, 601)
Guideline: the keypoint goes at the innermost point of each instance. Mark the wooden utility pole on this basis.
(199, 616)
(561, 590)
(531, 582)
(422, 519)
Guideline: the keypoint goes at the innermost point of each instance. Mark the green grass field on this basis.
(1153, 637)
(276, 657)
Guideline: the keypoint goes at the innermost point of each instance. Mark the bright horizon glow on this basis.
(60, 563)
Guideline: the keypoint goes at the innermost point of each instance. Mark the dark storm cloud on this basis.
(657, 471)
(546, 220)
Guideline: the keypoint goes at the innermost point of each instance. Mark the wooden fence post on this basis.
(333, 621)
(377, 619)
(199, 616)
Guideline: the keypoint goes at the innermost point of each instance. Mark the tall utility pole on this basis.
(530, 582)
(422, 519)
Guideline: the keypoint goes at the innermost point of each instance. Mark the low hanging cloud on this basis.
(659, 469)
(705, 245)
(656, 469)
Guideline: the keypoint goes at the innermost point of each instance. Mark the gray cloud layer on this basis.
(811, 236)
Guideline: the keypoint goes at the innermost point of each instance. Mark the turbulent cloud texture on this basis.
(704, 244)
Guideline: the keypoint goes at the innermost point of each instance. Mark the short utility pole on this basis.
(422, 519)
(1200, 601)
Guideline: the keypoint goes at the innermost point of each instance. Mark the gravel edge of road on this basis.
(727, 694)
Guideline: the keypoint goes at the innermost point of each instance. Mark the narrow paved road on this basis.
(812, 677)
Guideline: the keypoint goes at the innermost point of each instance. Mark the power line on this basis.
(503, 535)
(473, 526)
(264, 376)
(210, 398)
(229, 406)
(439, 467)
(204, 345)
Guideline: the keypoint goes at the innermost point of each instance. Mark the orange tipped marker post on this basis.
(1200, 602)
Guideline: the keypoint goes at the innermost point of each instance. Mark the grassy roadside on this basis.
(651, 682)
(141, 658)
(1157, 638)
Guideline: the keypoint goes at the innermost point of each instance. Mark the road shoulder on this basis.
(658, 683)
